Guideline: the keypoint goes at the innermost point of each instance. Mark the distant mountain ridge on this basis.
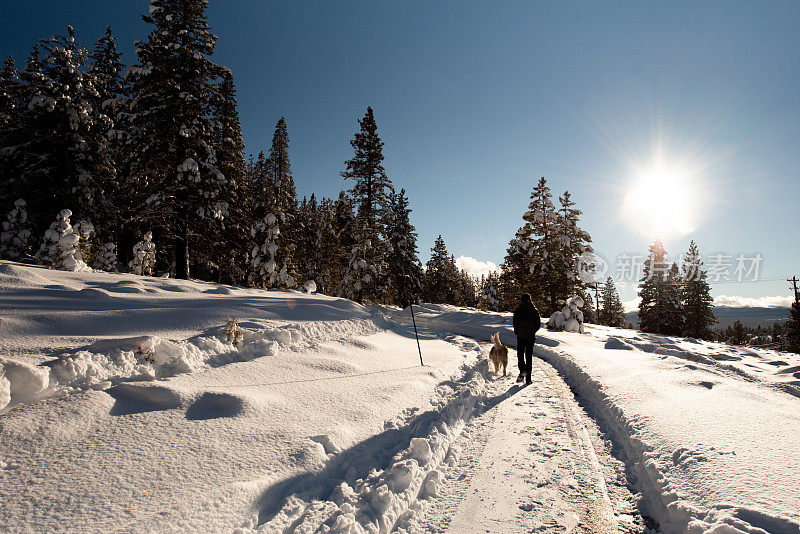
(726, 316)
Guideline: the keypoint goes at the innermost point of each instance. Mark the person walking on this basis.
(526, 323)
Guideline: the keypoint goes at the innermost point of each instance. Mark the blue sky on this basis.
(476, 100)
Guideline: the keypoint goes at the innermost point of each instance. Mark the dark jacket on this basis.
(526, 320)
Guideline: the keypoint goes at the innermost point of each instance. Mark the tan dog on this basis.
(498, 355)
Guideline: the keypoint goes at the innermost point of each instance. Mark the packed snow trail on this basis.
(528, 465)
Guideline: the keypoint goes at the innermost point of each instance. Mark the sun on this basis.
(662, 201)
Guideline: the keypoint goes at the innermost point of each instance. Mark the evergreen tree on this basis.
(489, 292)
(174, 95)
(106, 69)
(59, 248)
(15, 239)
(107, 258)
(144, 256)
(572, 242)
(539, 239)
(360, 280)
(308, 238)
(345, 226)
(9, 94)
(405, 270)
(230, 250)
(611, 311)
(327, 248)
(279, 173)
(373, 188)
(466, 289)
(660, 311)
(57, 151)
(269, 263)
(793, 328)
(697, 300)
(441, 283)
(515, 274)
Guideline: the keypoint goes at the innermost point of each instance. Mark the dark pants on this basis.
(524, 356)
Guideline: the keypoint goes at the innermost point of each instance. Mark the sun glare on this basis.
(662, 202)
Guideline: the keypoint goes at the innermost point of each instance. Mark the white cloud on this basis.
(753, 302)
(475, 267)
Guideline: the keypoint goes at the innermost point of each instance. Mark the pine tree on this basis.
(405, 270)
(327, 248)
(515, 274)
(308, 238)
(58, 151)
(230, 250)
(489, 296)
(279, 173)
(174, 93)
(466, 289)
(106, 258)
(697, 300)
(539, 239)
(360, 280)
(660, 311)
(59, 248)
(144, 256)
(441, 283)
(15, 239)
(373, 188)
(572, 242)
(269, 263)
(9, 94)
(793, 328)
(611, 311)
(345, 226)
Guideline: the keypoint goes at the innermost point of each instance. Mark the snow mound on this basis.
(21, 382)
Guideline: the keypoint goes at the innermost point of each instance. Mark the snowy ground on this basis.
(124, 408)
(709, 432)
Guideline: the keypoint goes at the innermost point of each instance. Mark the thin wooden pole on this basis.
(416, 334)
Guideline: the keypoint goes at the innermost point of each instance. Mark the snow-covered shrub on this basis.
(310, 286)
(233, 334)
(15, 238)
(570, 318)
(144, 256)
(106, 259)
(59, 246)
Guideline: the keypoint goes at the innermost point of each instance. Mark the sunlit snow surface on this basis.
(711, 432)
(126, 409)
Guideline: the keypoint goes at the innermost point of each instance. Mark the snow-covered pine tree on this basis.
(405, 270)
(10, 104)
(611, 311)
(360, 279)
(540, 241)
(489, 297)
(373, 188)
(59, 248)
(174, 92)
(106, 258)
(697, 301)
(572, 242)
(144, 256)
(59, 151)
(86, 248)
(660, 311)
(345, 226)
(269, 265)
(105, 67)
(231, 246)
(15, 239)
(441, 282)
